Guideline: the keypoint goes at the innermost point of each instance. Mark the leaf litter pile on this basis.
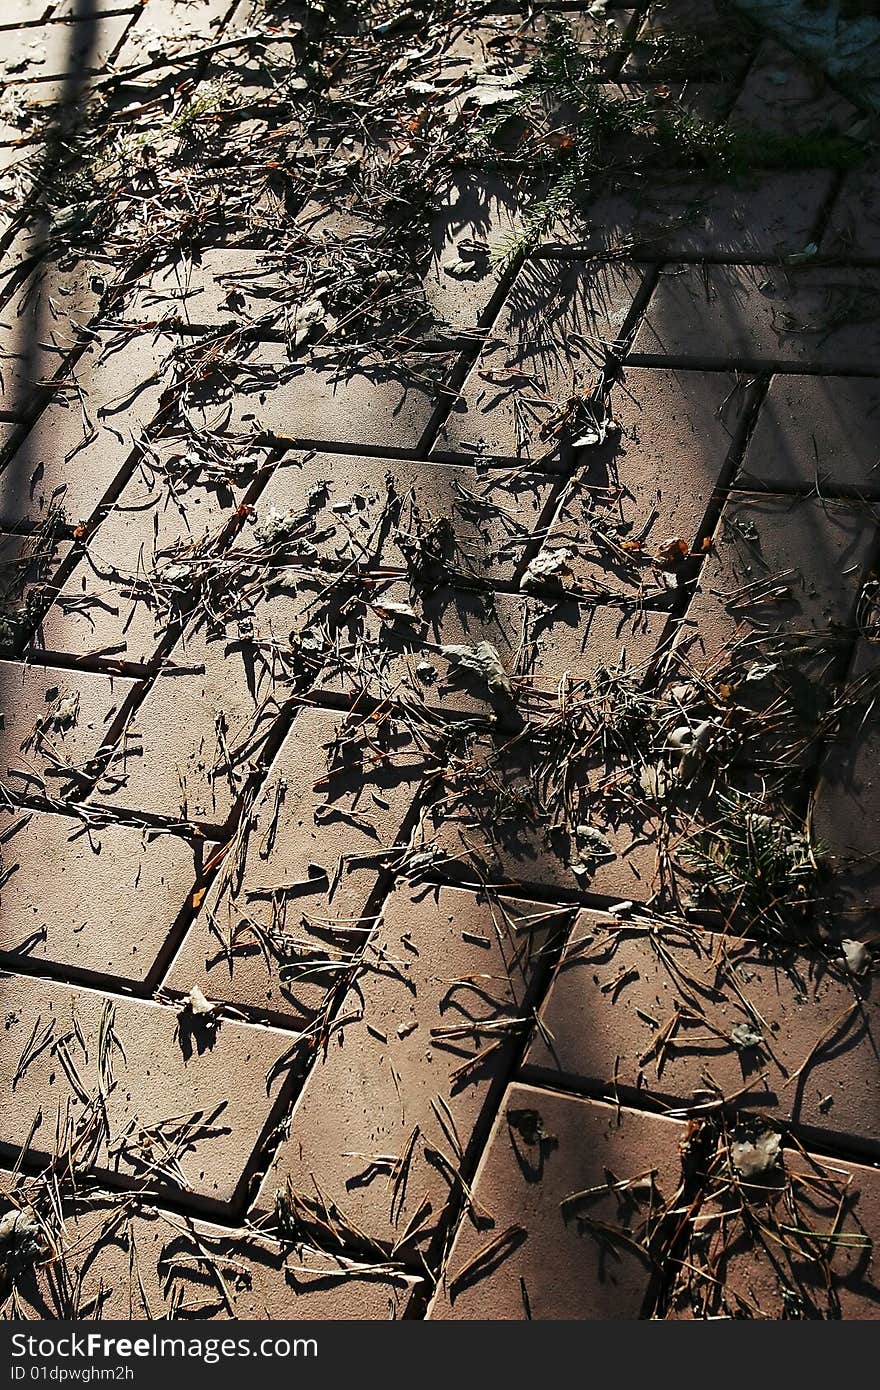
(325, 141)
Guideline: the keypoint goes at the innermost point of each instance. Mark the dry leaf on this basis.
(756, 1154)
(671, 553)
(483, 661)
(857, 956)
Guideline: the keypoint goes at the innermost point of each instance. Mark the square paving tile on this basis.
(193, 743)
(133, 1260)
(185, 1108)
(687, 1016)
(172, 26)
(853, 1280)
(822, 317)
(778, 566)
(79, 445)
(539, 641)
(544, 800)
(816, 432)
(57, 726)
(17, 12)
(439, 523)
(546, 348)
(759, 1268)
(141, 565)
(18, 175)
(476, 52)
(845, 806)
(27, 377)
(477, 218)
(29, 109)
(392, 1109)
(113, 897)
(780, 94)
(317, 398)
(49, 294)
(496, 824)
(72, 9)
(854, 223)
(648, 486)
(767, 214)
(538, 1255)
(28, 570)
(770, 625)
(455, 258)
(61, 48)
(285, 921)
(690, 37)
(221, 286)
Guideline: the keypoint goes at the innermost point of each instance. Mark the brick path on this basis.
(354, 969)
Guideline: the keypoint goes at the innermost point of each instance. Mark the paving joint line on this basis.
(677, 256)
(753, 366)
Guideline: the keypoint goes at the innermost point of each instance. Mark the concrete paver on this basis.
(540, 641)
(26, 11)
(77, 448)
(766, 214)
(748, 1276)
(390, 1113)
(815, 432)
(854, 222)
(146, 1264)
(546, 349)
(115, 896)
(642, 488)
(226, 286)
(475, 214)
(778, 565)
(554, 1262)
(494, 824)
(779, 95)
(683, 36)
(286, 920)
(172, 26)
(61, 47)
(845, 807)
(28, 580)
(58, 726)
(263, 391)
(189, 1102)
(119, 600)
(385, 512)
(740, 1018)
(190, 747)
(797, 317)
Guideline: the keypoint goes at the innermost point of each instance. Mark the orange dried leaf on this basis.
(671, 552)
